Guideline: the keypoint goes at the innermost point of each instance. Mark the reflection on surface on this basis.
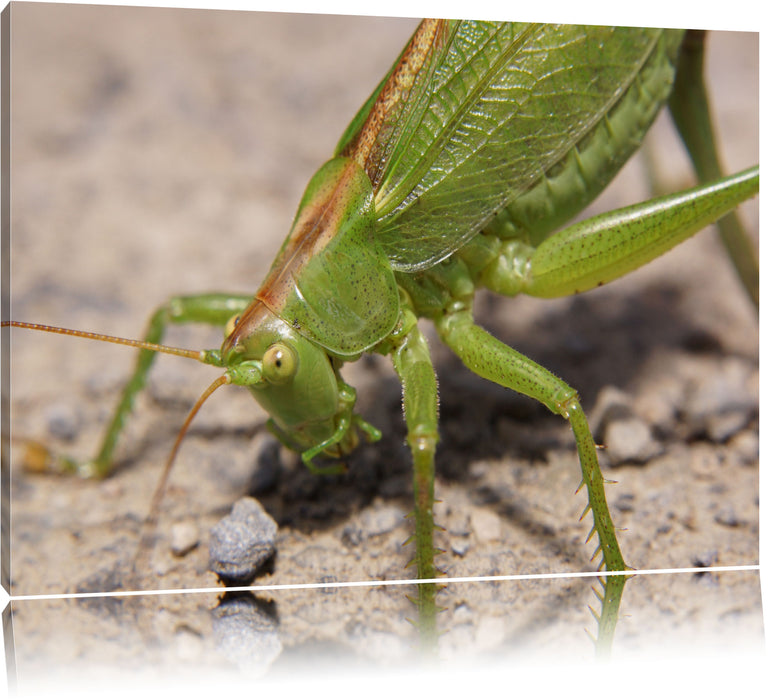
(312, 631)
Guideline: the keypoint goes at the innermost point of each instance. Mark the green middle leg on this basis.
(412, 361)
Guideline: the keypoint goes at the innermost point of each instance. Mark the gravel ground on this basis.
(163, 152)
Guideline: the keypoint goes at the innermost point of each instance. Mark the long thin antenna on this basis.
(153, 514)
(142, 344)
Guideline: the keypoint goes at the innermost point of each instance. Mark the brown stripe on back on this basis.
(316, 226)
(424, 41)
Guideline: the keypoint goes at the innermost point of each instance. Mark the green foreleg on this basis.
(342, 441)
(691, 113)
(413, 365)
(213, 309)
(491, 359)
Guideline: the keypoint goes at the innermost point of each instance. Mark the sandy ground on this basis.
(163, 152)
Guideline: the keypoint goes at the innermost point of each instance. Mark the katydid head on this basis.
(290, 376)
(329, 296)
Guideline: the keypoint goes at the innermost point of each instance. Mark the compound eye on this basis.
(231, 324)
(279, 363)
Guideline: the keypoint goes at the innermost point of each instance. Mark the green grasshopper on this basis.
(455, 174)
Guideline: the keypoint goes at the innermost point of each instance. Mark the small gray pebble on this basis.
(630, 441)
(721, 403)
(486, 525)
(747, 445)
(381, 519)
(459, 545)
(706, 559)
(352, 535)
(727, 517)
(723, 426)
(612, 405)
(625, 502)
(183, 538)
(627, 437)
(376, 520)
(62, 422)
(242, 541)
(458, 524)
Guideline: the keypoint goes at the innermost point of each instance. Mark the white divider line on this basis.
(400, 582)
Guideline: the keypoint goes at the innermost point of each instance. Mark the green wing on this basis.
(491, 109)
